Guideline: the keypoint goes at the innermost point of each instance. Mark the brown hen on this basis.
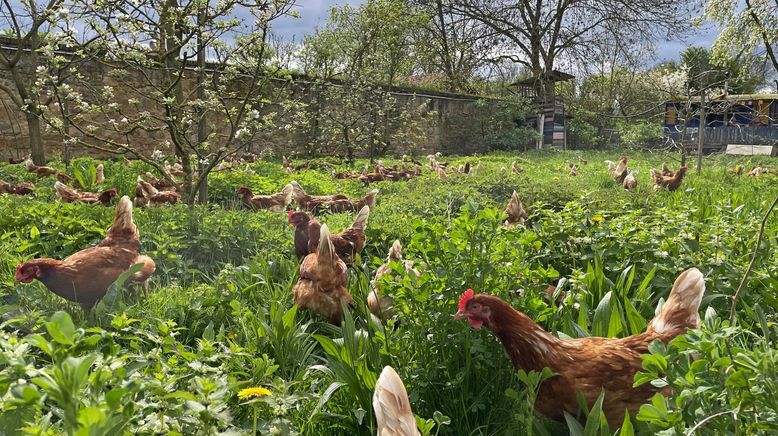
(274, 202)
(591, 364)
(162, 184)
(347, 243)
(18, 189)
(155, 197)
(40, 171)
(393, 413)
(84, 277)
(515, 212)
(321, 287)
(670, 182)
(381, 305)
(70, 195)
(310, 202)
(630, 182)
(331, 203)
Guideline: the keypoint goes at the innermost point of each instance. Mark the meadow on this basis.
(218, 316)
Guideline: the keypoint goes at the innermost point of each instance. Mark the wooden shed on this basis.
(551, 116)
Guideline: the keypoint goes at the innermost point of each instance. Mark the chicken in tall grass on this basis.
(84, 277)
(321, 286)
(586, 365)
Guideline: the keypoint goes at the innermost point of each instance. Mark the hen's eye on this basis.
(476, 306)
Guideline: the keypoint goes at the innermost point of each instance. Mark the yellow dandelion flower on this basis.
(598, 219)
(257, 391)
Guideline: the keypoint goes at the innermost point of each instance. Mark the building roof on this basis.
(735, 97)
(554, 75)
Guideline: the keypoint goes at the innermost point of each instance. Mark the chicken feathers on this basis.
(630, 182)
(515, 211)
(18, 189)
(154, 197)
(588, 364)
(274, 202)
(393, 413)
(84, 277)
(381, 305)
(70, 195)
(347, 243)
(321, 287)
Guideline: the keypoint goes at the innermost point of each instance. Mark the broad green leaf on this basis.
(61, 328)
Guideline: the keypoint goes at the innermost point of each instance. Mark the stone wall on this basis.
(283, 137)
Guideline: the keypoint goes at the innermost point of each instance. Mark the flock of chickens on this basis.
(587, 365)
(152, 192)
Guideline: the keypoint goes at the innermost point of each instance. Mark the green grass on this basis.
(218, 315)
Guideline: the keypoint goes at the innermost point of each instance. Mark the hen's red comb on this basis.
(290, 213)
(466, 296)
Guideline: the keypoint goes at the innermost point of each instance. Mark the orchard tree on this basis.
(453, 44)
(45, 46)
(192, 75)
(539, 35)
(357, 55)
(747, 28)
(373, 42)
(356, 116)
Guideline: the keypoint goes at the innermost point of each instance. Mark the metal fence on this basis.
(724, 135)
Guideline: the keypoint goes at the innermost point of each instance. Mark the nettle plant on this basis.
(193, 74)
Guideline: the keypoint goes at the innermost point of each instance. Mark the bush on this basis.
(640, 134)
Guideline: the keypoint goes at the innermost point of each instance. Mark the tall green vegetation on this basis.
(218, 316)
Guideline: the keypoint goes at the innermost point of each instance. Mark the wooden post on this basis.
(541, 129)
(701, 132)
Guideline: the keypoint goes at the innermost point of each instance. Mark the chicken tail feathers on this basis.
(360, 222)
(64, 191)
(370, 199)
(656, 177)
(148, 189)
(148, 269)
(514, 204)
(680, 311)
(326, 250)
(392, 407)
(100, 174)
(298, 190)
(122, 226)
(286, 194)
(396, 252)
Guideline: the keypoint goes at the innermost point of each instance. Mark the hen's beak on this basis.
(460, 315)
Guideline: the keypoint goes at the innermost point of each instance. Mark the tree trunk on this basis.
(202, 124)
(186, 165)
(36, 141)
(66, 120)
(349, 146)
(202, 193)
(701, 132)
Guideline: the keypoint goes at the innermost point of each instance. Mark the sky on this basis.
(314, 13)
